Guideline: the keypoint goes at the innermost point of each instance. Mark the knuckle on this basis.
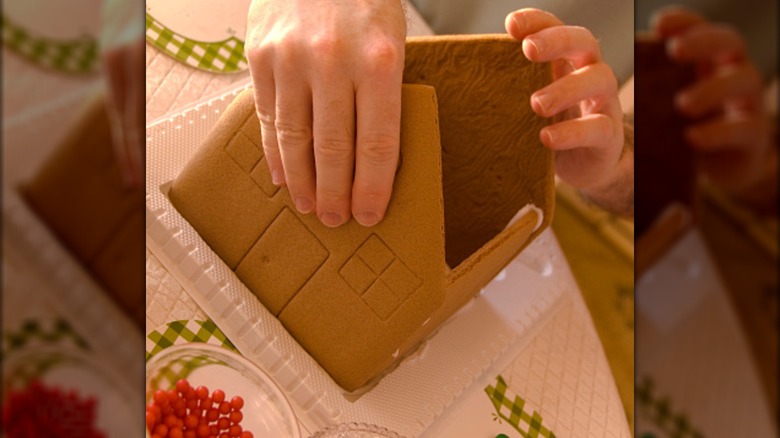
(383, 55)
(289, 134)
(259, 53)
(608, 76)
(331, 150)
(324, 45)
(582, 35)
(266, 117)
(379, 148)
(287, 56)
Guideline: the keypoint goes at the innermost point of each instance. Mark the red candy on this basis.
(160, 397)
(43, 411)
(182, 386)
(189, 412)
(224, 408)
(202, 392)
(237, 402)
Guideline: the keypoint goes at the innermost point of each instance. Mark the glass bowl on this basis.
(85, 375)
(356, 430)
(266, 411)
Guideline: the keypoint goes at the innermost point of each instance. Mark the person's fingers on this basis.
(293, 130)
(573, 43)
(264, 90)
(672, 20)
(595, 84)
(593, 130)
(727, 133)
(524, 22)
(378, 138)
(707, 42)
(265, 103)
(334, 147)
(709, 94)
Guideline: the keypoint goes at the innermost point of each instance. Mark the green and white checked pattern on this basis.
(31, 370)
(510, 409)
(178, 369)
(77, 56)
(47, 332)
(222, 57)
(179, 333)
(184, 332)
(34, 333)
(660, 412)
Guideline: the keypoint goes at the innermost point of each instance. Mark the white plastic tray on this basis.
(486, 334)
(480, 340)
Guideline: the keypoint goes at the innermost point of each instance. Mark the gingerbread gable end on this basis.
(349, 294)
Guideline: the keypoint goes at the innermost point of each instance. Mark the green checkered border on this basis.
(33, 370)
(184, 332)
(178, 369)
(35, 331)
(77, 56)
(225, 56)
(510, 409)
(660, 411)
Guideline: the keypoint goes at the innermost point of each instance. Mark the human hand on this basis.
(587, 135)
(732, 135)
(327, 79)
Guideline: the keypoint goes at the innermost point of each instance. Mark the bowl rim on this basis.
(220, 352)
(88, 360)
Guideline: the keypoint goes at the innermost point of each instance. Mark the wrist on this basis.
(616, 193)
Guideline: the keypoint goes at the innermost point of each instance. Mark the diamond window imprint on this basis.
(248, 154)
(376, 274)
(243, 151)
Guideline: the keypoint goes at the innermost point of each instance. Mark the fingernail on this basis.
(277, 177)
(367, 219)
(544, 102)
(519, 20)
(304, 205)
(536, 45)
(551, 136)
(331, 219)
